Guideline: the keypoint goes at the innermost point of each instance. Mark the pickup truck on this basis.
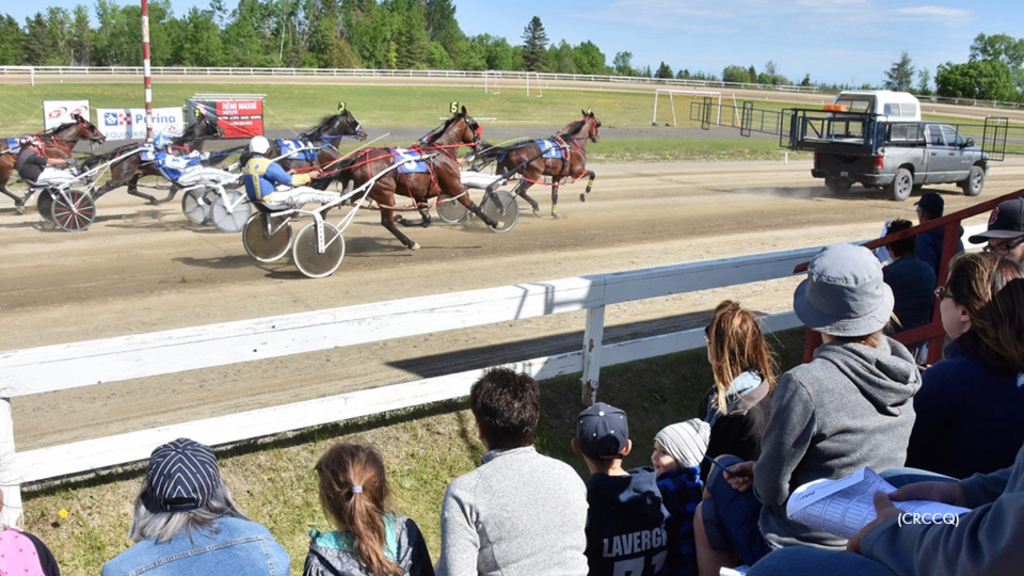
(900, 157)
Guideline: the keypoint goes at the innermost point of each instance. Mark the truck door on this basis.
(959, 158)
(938, 156)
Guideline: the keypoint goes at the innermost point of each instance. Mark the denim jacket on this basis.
(239, 548)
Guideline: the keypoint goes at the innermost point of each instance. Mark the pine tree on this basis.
(535, 42)
(901, 75)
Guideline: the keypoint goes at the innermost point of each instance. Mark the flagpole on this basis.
(146, 71)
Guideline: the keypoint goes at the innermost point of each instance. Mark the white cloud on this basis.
(947, 16)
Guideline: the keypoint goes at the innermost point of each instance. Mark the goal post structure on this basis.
(687, 93)
(491, 82)
(536, 83)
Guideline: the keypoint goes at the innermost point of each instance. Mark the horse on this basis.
(58, 143)
(563, 156)
(442, 174)
(325, 153)
(132, 167)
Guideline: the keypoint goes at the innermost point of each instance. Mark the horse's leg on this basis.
(554, 199)
(387, 220)
(590, 186)
(170, 196)
(133, 189)
(19, 202)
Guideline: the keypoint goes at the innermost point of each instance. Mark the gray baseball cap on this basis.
(844, 294)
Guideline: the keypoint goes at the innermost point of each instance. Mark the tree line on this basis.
(994, 71)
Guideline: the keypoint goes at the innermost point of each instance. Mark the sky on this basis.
(835, 41)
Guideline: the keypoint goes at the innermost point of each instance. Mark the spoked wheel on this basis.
(44, 204)
(230, 211)
(266, 243)
(502, 207)
(74, 210)
(196, 206)
(450, 210)
(306, 251)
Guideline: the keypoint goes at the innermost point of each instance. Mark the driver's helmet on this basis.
(259, 145)
(29, 140)
(161, 141)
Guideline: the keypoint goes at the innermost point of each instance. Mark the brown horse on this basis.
(565, 157)
(132, 167)
(442, 176)
(323, 138)
(58, 142)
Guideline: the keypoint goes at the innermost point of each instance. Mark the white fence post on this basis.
(593, 335)
(9, 475)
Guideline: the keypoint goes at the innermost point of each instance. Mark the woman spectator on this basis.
(970, 404)
(848, 408)
(738, 405)
(23, 554)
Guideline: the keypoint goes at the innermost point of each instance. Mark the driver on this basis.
(185, 170)
(262, 174)
(34, 167)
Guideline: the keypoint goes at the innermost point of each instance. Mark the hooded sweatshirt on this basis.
(334, 554)
(626, 524)
(848, 408)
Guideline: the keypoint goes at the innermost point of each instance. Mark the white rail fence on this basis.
(65, 366)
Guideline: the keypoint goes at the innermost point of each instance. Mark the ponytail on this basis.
(736, 345)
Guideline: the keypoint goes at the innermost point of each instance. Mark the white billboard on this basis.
(130, 123)
(57, 112)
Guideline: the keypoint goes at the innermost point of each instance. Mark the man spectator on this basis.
(912, 281)
(1005, 234)
(187, 523)
(519, 513)
(929, 244)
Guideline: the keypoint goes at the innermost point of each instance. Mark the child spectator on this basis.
(626, 520)
(519, 513)
(970, 405)
(678, 452)
(738, 405)
(370, 540)
(23, 554)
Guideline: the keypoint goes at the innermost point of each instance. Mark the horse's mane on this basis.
(572, 129)
(92, 161)
(58, 128)
(436, 133)
(318, 130)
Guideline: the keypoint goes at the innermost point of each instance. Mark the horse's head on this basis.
(340, 124)
(459, 129)
(591, 126)
(206, 128)
(84, 130)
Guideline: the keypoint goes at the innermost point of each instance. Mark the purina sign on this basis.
(130, 123)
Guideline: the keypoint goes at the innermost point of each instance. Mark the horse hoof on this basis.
(415, 246)
(19, 208)
(583, 197)
(557, 216)
(499, 225)
(397, 218)
(536, 213)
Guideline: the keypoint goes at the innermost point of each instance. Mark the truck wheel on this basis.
(837, 188)
(975, 181)
(902, 185)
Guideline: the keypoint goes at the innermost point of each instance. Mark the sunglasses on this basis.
(941, 293)
(1003, 249)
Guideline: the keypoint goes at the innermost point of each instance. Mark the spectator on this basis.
(970, 405)
(626, 520)
(929, 244)
(848, 408)
(678, 452)
(519, 513)
(22, 553)
(1005, 233)
(912, 281)
(370, 540)
(738, 405)
(187, 523)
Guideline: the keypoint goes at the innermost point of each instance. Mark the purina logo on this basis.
(995, 215)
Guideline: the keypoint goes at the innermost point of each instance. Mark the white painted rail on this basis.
(66, 366)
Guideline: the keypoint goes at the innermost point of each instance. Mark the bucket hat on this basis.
(844, 294)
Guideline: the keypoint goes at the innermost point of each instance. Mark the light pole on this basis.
(145, 70)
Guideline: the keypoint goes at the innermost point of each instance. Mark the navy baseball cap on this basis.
(182, 475)
(931, 203)
(1007, 221)
(602, 432)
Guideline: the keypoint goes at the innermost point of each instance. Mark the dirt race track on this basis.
(141, 269)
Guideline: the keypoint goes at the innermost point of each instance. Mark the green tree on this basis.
(623, 63)
(663, 71)
(535, 42)
(499, 54)
(559, 59)
(807, 80)
(588, 58)
(81, 37)
(438, 58)
(59, 35)
(924, 80)
(442, 25)
(411, 36)
(201, 42)
(981, 79)
(12, 41)
(735, 73)
(900, 76)
(751, 73)
(683, 74)
(38, 45)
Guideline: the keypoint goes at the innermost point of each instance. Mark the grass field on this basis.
(274, 482)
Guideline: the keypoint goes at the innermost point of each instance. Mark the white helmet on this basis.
(259, 145)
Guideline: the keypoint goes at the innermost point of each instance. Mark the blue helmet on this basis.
(161, 141)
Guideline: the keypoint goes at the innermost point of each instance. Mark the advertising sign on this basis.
(130, 123)
(238, 117)
(57, 112)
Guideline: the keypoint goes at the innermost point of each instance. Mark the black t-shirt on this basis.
(29, 164)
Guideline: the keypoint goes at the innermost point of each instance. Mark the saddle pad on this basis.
(293, 149)
(12, 145)
(410, 160)
(549, 149)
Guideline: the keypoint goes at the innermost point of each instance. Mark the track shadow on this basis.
(220, 263)
(362, 246)
(857, 193)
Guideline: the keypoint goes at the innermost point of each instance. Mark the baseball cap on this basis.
(1006, 221)
(844, 294)
(182, 475)
(602, 432)
(931, 203)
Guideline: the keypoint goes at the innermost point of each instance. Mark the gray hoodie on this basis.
(848, 408)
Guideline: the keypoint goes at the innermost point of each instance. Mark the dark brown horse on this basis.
(528, 160)
(442, 177)
(58, 142)
(323, 138)
(132, 167)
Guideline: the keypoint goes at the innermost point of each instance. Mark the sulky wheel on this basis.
(451, 211)
(309, 259)
(74, 210)
(196, 206)
(267, 238)
(502, 207)
(230, 211)
(44, 204)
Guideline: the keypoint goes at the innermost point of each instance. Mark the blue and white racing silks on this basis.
(296, 150)
(174, 167)
(411, 162)
(261, 175)
(12, 146)
(550, 150)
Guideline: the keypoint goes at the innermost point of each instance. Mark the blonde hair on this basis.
(341, 468)
(736, 345)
